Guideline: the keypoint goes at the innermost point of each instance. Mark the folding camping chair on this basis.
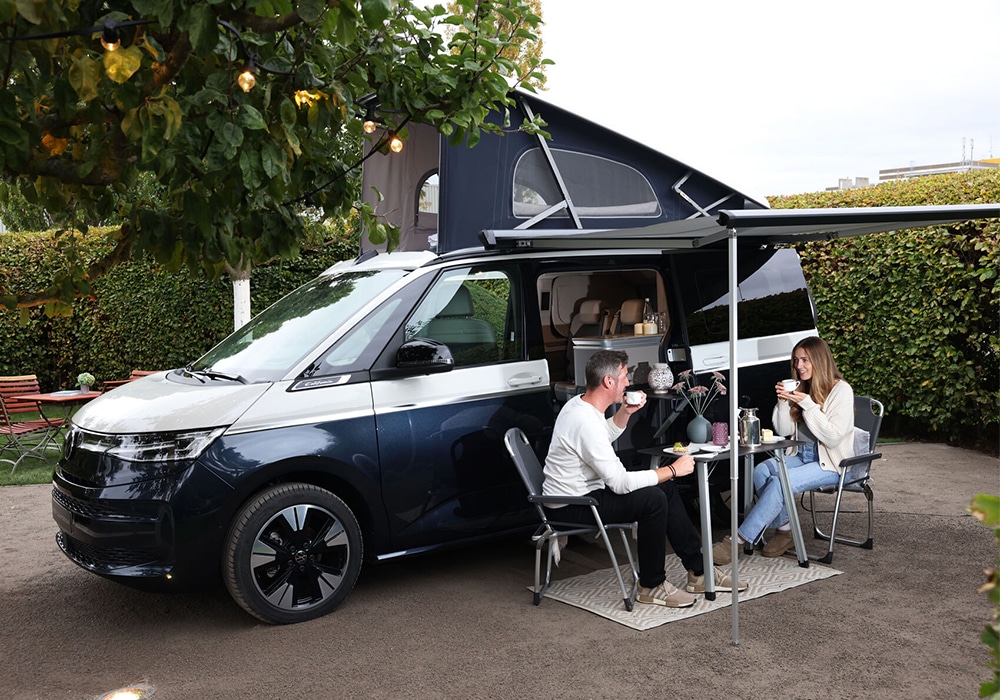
(548, 533)
(856, 476)
(15, 433)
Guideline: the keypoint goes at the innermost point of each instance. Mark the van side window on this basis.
(358, 348)
(475, 312)
(773, 296)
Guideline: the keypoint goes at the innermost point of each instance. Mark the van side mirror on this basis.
(424, 356)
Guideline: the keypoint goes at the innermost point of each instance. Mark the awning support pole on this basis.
(734, 431)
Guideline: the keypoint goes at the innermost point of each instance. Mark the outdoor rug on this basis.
(598, 591)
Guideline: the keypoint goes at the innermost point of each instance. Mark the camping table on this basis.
(702, 462)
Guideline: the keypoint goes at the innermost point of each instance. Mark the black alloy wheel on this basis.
(292, 554)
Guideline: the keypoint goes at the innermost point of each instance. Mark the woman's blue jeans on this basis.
(804, 473)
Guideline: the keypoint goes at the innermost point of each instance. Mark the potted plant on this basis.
(699, 398)
(85, 380)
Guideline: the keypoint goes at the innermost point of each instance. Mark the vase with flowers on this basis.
(85, 380)
(699, 398)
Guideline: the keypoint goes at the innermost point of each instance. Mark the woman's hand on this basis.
(793, 396)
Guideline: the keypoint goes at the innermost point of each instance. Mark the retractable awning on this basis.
(771, 225)
(755, 227)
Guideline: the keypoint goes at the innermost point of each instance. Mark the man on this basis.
(582, 462)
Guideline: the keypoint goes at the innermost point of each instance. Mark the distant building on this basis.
(846, 183)
(913, 171)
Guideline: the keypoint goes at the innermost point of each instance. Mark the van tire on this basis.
(308, 554)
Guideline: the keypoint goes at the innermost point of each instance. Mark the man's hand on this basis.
(626, 409)
(681, 466)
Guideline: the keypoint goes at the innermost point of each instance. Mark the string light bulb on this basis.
(369, 125)
(395, 144)
(247, 79)
(109, 37)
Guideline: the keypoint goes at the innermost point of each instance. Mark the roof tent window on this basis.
(599, 188)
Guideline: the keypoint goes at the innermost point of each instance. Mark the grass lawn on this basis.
(30, 470)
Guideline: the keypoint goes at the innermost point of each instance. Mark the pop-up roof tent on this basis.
(585, 177)
(592, 188)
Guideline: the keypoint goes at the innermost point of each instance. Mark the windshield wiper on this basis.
(214, 374)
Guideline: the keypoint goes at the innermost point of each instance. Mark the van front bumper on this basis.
(157, 533)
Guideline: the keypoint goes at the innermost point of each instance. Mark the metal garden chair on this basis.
(547, 534)
(856, 476)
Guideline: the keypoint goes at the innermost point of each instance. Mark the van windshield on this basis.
(274, 341)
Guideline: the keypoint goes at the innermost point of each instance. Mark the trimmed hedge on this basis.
(913, 317)
(140, 315)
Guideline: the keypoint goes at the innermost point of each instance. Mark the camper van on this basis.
(360, 418)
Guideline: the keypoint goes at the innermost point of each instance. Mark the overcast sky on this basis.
(783, 97)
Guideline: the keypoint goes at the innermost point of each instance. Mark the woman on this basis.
(819, 410)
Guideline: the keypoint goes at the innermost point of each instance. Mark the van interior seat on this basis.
(590, 321)
(628, 315)
(457, 327)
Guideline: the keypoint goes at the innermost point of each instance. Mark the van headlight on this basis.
(143, 447)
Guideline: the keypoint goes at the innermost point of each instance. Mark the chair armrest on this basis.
(563, 500)
(860, 459)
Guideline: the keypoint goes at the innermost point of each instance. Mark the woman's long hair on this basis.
(824, 372)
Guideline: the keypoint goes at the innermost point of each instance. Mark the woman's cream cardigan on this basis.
(832, 423)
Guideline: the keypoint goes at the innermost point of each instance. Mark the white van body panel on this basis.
(282, 408)
(751, 351)
(459, 386)
(156, 404)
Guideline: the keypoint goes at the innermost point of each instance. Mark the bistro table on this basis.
(703, 460)
(69, 400)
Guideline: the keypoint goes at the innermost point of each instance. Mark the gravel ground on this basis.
(903, 620)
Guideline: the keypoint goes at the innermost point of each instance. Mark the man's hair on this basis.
(603, 363)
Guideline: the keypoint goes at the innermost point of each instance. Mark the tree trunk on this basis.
(241, 293)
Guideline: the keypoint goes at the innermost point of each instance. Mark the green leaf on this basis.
(310, 10)
(288, 113)
(251, 118)
(131, 125)
(11, 133)
(375, 12)
(122, 64)
(29, 11)
(199, 22)
(251, 169)
(84, 75)
(986, 509)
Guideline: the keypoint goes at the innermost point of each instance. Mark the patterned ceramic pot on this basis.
(660, 378)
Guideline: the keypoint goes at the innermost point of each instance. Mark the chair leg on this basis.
(538, 590)
(630, 600)
(626, 598)
(832, 537)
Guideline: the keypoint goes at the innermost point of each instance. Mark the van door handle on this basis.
(714, 361)
(522, 381)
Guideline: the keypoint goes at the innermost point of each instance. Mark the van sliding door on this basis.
(445, 472)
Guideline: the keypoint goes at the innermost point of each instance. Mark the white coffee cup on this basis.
(633, 398)
(789, 385)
